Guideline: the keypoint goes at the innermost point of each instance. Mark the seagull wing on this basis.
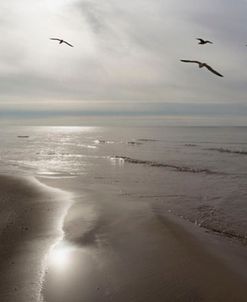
(68, 44)
(55, 39)
(190, 61)
(212, 70)
(201, 40)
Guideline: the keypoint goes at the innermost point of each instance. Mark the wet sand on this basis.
(120, 249)
(114, 248)
(30, 221)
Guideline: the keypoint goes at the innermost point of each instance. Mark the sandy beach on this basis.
(31, 216)
(116, 249)
(112, 250)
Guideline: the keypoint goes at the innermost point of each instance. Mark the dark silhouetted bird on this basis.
(61, 41)
(202, 42)
(203, 65)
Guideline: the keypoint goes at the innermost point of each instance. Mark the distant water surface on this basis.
(197, 173)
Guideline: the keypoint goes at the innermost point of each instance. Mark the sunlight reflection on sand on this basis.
(60, 256)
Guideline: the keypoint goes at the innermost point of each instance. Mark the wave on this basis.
(103, 142)
(223, 150)
(190, 145)
(211, 227)
(147, 140)
(163, 165)
(134, 143)
(226, 233)
(234, 234)
(209, 224)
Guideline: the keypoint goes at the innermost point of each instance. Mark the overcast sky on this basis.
(126, 57)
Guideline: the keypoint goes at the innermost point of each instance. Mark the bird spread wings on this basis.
(68, 44)
(62, 41)
(203, 65)
(212, 70)
(203, 41)
(190, 61)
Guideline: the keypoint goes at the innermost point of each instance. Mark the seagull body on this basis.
(200, 64)
(61, 41)
(202, 42)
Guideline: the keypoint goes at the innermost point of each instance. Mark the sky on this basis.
(125, 60)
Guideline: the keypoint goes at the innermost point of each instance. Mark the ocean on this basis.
(198, 174)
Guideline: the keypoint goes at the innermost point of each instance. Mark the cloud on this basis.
(125, 51)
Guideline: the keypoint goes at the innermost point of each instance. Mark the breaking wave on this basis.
(218, 229)
(147, 140)
(163, 165)
(223, 150)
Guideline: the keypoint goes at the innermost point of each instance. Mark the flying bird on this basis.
(61, 41)
(202, 42)
(203, 65)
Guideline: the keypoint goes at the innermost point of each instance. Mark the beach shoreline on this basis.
(118, 246)
(121, 246)
(30, 223)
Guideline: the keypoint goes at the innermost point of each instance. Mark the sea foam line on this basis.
(163, 165)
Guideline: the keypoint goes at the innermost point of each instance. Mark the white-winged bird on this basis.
(203, 65)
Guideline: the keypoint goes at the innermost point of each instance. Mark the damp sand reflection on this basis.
(121, 251)
(59, 257)
(72, 274)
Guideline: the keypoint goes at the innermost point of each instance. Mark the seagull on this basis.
(202, 42)
(61, 41)
(203, 65)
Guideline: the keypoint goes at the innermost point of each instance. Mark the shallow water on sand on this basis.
(121, 248)
(198, 173)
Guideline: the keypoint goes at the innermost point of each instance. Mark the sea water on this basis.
(196, 173)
